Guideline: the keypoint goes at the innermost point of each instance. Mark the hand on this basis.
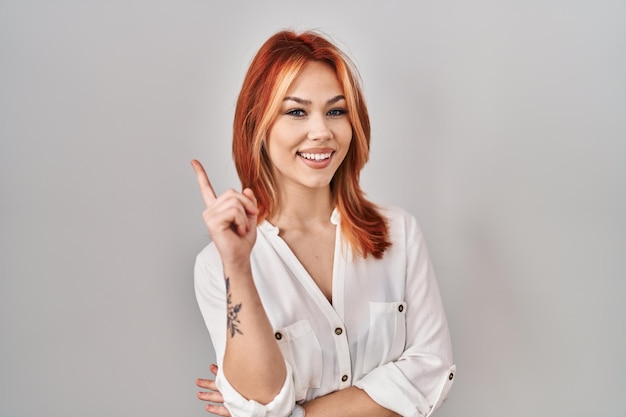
(231, 219)
(214, 395)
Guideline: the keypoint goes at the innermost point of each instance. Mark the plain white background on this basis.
(500, 124)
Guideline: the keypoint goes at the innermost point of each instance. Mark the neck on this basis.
(302, 208)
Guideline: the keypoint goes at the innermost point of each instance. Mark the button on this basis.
(451, 376)
(278, 335)
(400, 308)
(338, 331)
(344, 378)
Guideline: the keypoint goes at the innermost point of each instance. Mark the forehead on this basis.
(315, 80)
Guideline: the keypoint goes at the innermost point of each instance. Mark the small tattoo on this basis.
(232, 321)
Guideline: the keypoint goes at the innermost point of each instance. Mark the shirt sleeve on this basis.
(211, 296)
(418, 382)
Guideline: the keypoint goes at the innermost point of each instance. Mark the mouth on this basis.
(316, 157)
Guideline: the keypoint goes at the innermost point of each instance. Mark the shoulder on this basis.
(208, 259)
(397, 216)
(403, 226)
(394, 213)
(207, 253)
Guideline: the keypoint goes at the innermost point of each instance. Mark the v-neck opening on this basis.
(300, 272)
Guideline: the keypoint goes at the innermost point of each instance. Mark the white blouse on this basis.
(385, 331)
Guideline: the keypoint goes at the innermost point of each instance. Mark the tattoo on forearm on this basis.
(232, 320)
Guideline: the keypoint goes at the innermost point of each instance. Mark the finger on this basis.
(208, 194)
(213, 368)
(251, 207)
(231, 215)
(231, 198)
(214, 397)
(206, 384)
(252, 214)
(246, 198)
(218, 410)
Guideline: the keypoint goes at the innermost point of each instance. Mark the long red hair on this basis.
(273, 69)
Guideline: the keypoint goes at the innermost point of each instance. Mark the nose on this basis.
(319, 129)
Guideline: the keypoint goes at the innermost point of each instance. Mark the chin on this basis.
(318, 184)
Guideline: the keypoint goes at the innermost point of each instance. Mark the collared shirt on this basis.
(384, 332)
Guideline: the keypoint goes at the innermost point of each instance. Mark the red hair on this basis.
(273, 69)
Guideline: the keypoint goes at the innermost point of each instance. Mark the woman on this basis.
(316, 300)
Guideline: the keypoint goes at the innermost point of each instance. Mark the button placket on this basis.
(344, 365)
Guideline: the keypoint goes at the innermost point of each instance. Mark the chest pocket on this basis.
(387, 334)
(303, 352)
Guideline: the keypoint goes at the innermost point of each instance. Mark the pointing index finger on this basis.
(208, 194)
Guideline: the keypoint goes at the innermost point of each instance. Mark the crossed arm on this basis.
(349, 402)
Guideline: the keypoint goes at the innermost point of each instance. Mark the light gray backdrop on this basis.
(500, 124)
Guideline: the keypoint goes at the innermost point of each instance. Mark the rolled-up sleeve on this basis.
(417, 382)
(211, 296)
(389, 387)
(239, 406)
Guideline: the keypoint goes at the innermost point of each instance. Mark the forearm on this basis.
(349, 402)
(253, 362)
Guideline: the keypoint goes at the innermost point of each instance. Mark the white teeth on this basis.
(315, 156)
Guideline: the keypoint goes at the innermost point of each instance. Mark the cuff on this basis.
(239, 406)
(404, 398)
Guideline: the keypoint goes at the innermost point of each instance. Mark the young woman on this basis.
(317, 301)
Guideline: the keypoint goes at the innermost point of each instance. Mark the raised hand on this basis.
(231, 219)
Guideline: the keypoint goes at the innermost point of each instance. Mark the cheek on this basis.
(341, 128)
(274, 142)
(344, 136)
(283, 138)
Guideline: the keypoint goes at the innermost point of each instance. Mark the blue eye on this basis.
(296, 113)
(337, 112)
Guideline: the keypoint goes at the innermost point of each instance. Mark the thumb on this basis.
(252, 214)
(250, 194)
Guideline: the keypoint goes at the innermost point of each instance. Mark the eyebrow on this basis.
(308, 102)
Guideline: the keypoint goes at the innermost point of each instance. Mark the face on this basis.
(311, 135)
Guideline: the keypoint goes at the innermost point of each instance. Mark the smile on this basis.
(315, 156)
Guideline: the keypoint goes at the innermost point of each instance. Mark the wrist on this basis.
(237, 268)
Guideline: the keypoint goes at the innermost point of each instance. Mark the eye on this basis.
(337, 112)
(296, 113)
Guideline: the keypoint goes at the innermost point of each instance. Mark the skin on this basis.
(312, 121)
